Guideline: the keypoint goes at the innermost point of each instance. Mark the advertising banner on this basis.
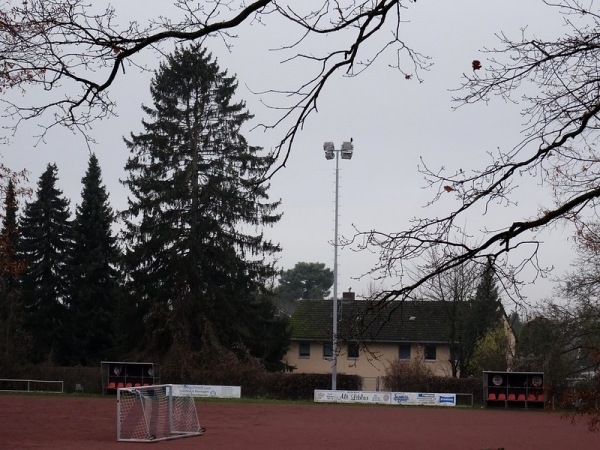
(202, 390)
(382, 398)
(386, 398)
(423, 399)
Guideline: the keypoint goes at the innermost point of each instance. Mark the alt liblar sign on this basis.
(386, 398)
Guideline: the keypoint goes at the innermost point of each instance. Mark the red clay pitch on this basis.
(66, 422)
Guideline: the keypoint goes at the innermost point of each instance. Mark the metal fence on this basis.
(371, 384)
(22, 385)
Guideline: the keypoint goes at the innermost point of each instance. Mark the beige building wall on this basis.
(371, 362)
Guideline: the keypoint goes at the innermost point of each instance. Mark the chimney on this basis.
(348, 296)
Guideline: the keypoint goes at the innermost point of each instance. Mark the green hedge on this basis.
(301, 386)
(437, 384)
(255, 383)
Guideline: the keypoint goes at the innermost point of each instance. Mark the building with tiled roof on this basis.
(371, 336)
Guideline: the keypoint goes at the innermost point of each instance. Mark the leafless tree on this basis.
(74, 52)
(557, 82)
(456, 287)
(577, 309)
(572, 360)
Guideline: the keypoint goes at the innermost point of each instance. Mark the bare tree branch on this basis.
(559, 85)
(75, 53)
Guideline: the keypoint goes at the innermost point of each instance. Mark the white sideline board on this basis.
(423, 399)
(206, 391)
(386, 398)
(352, 397)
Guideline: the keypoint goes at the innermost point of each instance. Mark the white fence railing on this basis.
(22, 385)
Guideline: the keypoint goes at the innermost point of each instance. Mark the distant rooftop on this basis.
(406, 321)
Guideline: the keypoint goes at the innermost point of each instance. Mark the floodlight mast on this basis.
(346, 151)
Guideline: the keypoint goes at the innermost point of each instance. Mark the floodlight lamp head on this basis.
(329, 149)
(347, 150)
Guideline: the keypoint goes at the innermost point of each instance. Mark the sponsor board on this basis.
(382, 398)
(326, 396)
(386, 398)
(422, 399)
(202, 390)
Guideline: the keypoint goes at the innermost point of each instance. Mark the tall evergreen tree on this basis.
(305, 281)
(482, 316)
(10, 264)
(93, 292)
(196, 269)
(13, 339)
(45, 244)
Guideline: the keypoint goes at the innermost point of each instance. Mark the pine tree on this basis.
(94, 288)
(305, 281)
(45, 244)
(10, 264)
(13, 340)
(482, 316)
(196, 270)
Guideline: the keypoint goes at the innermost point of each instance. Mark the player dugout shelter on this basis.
(121, 374)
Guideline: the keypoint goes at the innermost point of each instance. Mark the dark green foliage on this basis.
(14, 341)
(537, 341)
(414, 376)
(265, 336)
(196, 273)
(301, 386)
(94, 289)
(483, 314)
(306, 281)
(45, 243)
(10, 264)
(545, 345)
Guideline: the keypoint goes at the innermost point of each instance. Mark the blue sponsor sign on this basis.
(401, 398)
(450, 399)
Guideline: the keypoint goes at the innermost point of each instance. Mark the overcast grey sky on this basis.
(394, 122)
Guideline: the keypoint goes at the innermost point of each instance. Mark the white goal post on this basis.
(154, 413)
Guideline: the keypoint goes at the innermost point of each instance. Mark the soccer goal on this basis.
(153, 413)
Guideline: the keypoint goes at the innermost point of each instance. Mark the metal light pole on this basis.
(346, 152)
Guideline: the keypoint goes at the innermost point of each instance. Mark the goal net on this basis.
(153, 413)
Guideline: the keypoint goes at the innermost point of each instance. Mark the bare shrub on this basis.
(407, 376)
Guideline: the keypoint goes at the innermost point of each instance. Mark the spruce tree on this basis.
(10, 264)
(483, 315)
(196, 268)
(45, 245)
(14, 342)
(94, 288)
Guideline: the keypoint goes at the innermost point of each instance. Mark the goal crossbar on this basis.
(154, 413)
